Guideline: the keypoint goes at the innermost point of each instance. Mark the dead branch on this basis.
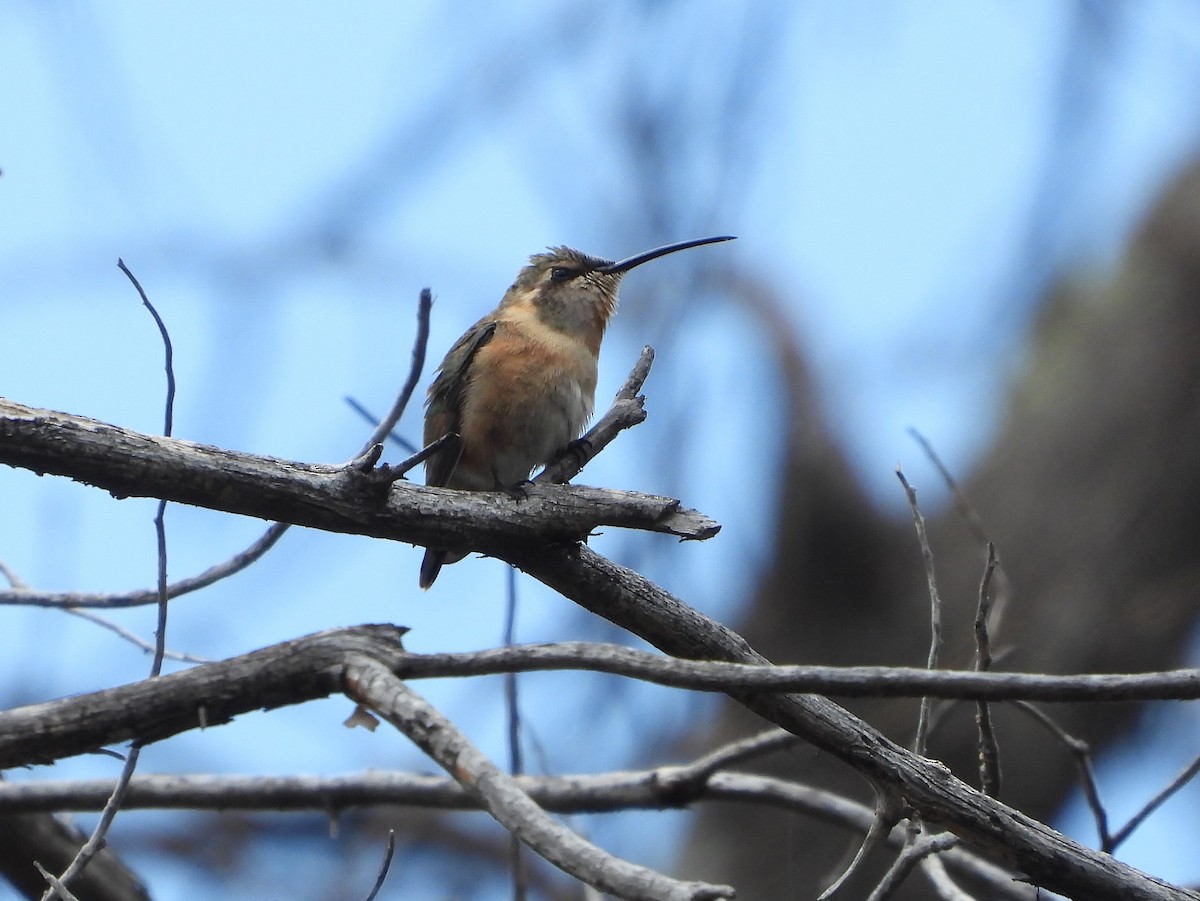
(372, 684)
(154, 709)
(669, 786)
(332, 498)
(311, 667)
(126, 462)
(996, 831)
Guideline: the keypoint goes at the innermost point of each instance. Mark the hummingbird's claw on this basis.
(518, 491)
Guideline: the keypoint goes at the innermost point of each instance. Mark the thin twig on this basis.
(888, 807)
(20, 594)
(626, 411)
(97, 839)
(1152, 805)
(687, 779)
(160, 633)
(972, 518)
(848, 681)
(160, 531)
(904, 863)
(396, 471)
(989, 751)
(974, 523)
(934, 868)
(385, 866)
(420, 342)
(1081, 754)
(141, 597)
(168, 350)
(55, 883)
(11, 576)
(516, 765)
(373, 420)
(739, 751)
(132, 637)
(935, 610)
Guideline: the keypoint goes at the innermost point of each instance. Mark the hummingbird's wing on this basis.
(446, 396)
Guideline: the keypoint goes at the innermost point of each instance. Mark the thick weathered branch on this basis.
(310, 667)
(359, 662)
(125, 462)
(995, 830)
(333, 498)
(154, 709)
(374, 685)
(315, 666)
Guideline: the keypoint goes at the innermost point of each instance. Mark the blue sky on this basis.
(285, 178)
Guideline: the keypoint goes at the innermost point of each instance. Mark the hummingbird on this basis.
(519, 386)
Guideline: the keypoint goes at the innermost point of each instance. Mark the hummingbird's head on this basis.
(577, 294)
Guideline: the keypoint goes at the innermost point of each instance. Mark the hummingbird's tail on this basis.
(431, 566)
(433, 563)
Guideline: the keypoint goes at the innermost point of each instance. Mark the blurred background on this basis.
(978, 220)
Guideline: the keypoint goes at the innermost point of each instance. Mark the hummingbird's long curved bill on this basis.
(646, 256)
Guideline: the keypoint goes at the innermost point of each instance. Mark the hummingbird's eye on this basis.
(562, 274)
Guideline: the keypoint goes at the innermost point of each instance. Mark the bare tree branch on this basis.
(420, 345)
(1081, 754)
(307, 668)
(516, 534)
(132, 637)
(384, 866)
(652, 789)
(850, 681)
(989, 751)
(58, 888)
(96, 841)
(30, 597)
(996, 831)
(701, 770)
(935, 610)
(128, 463)
(934, 869)
(1185, 776)
(516, 762)
(888, 814)
(627, 410)
(375, 686)
(148, 711)
(914, 852)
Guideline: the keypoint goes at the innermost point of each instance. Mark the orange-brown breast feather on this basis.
(512, 379)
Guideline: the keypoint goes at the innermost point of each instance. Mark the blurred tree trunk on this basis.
(1091, 494)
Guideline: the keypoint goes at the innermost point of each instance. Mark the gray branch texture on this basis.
(542, 535)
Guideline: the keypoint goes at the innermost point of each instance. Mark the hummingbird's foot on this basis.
(518, 491)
